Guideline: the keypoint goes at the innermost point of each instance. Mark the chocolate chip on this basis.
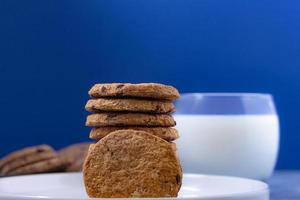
(120, 86)
(39, 150)
(103, 89)
(157, 109)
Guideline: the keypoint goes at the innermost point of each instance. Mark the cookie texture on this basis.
(49, 165)
(130, 119)
(129, 163)
(129, 105)
(141, 90)
(74, 155)
(26, 160)
(166, 133)
(173, 145)
(24, 152)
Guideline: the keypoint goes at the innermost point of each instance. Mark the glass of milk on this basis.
(234, 134)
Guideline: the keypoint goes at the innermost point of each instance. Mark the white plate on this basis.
(67, 186)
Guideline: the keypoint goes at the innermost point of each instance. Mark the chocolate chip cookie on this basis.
(34, 150)
(26, 160)
(129, 105)
(130, 119)
(128, 163)
(141, 90)
(44, 166)
(166, 133)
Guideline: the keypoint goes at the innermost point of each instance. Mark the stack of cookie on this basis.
(44, 159)
(144, 107)
(133, 156)
(31, 160)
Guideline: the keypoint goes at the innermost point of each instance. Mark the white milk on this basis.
(237, 145)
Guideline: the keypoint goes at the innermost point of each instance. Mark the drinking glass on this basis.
(233, 134)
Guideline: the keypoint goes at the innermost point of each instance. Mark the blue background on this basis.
(51, 52)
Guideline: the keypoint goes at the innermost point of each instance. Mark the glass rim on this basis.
(225, 103)
(227, 94)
